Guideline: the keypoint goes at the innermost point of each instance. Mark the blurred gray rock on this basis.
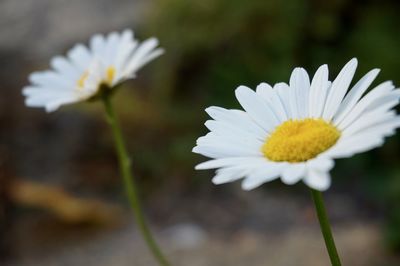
(186, 236)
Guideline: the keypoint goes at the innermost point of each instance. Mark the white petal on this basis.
(271, 98)
(353, 146)
(50, 79)
(380, 91)
(383, 108)
(51, 100)
(80, 56)
(237, 121)
(222, 129)
(65, 68)
(52, 106)
(354, 95)
(126, 47)
(365, 140)
(321, 164)
(367, 120)
(98, 45)
(300, 84)
(317, 180)
(221, 151)
(284, 94)
(232, 161)
(256, 108)
(318, 92)
(143, 54)
(388, 126)
(264, 90)
(45, 91)
(149, 57)
(111, 48)
(391, 97)
(338, 89)
(41, 97)
(293, 173)
(241, 142)
(261, 175)
(229, 174)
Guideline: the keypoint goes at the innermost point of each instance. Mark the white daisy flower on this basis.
(109, 60)
(295, 131)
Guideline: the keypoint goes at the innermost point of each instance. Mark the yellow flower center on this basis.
(110, 74)
(300, 140)
(82, 79)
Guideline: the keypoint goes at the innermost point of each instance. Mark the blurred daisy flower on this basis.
(295, 131)
(109, 60)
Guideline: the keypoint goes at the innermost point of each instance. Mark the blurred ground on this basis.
(240, 228)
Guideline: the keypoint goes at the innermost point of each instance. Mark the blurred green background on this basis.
(212, 46)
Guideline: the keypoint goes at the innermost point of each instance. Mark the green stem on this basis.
(325, 227)
(129, 183)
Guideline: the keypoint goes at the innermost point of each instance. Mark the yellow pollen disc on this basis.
(300, 140)
(81, 81)
(110, 73)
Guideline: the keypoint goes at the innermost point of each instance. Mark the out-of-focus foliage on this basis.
(215, 45)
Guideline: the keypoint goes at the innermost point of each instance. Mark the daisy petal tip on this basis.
(54, 60)
(217, 181)
(25, 91)
(250, 184)
(289, 182)
(320, 186)
(195, 149)
(28, 102)
(322, 189)
(127, 31)
(152, 41)
(210, 110)
(247, 187)
(375, 71)
(353, 62)
(198, 167)
(263, 85)
(51, 108)
(324, 70)
(300, 70)
(207, 109)
(158, 52)
(242, 89)
(207, 123)
(34, 76)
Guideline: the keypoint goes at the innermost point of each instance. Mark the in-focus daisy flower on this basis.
(108, 60)
(294, 131)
